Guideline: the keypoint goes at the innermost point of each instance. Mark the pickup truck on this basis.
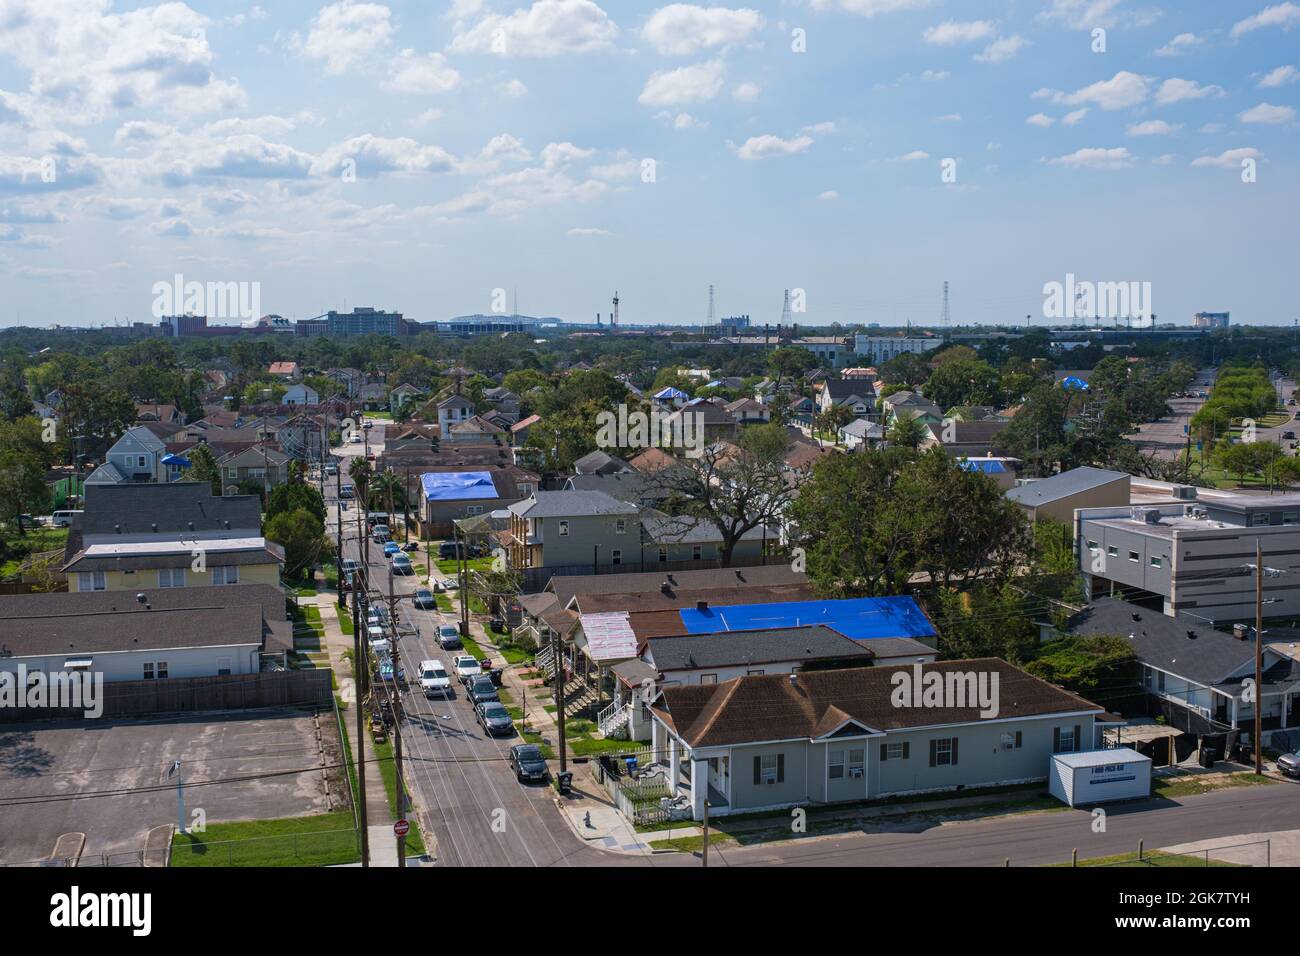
(466, 667)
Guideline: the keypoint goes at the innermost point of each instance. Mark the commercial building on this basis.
(882, 348)
(361, 320)
(1210, 320)
(1058, 496)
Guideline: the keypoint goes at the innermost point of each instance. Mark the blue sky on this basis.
(418, 156)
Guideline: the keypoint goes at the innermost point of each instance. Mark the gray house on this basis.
(819, 737)
(572, 528)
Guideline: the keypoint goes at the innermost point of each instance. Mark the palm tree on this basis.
(381, 486)
(361, 474)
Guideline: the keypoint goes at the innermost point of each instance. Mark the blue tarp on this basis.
(1073, 381)
(670, 392)
(457, 485)
(858, 618)
(176, 460)
(987, 467)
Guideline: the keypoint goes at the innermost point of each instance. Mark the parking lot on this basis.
(106, 763)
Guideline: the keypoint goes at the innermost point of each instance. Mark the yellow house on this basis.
(139, 565)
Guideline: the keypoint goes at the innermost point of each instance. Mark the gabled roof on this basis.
(181, 507)
(813, 703)
(600, 463)
(571, 504)
(525, 423)
(1064, 485)
(735, 648)
(455, 401)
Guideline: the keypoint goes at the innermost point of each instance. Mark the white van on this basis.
(63, 519)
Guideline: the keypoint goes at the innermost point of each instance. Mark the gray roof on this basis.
(771, 575)
(571, 504)
(665, 529)
(862, 428)
(102, 621)
(884, 647)
(1063, 485)
(1165, 642)
(737, 648)
(213, 554)
(600, 462)
(626, 486)
(136, 508)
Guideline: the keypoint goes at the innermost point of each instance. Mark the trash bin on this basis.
(564, 782)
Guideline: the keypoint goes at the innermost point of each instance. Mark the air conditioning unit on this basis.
(1185, 492)
(1021, 482)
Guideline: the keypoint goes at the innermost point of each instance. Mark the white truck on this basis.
(434, 679)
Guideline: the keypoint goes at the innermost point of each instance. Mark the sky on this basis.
(449, 157)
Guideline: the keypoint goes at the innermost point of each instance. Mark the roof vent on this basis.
(191, 524)
(154, 526)
(1137, 616)
(701, 606)
(117, 528)
(666, 588)
(1191, 635)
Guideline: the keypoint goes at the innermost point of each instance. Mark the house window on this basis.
(620, 526)
(225, 575)
(1290, 517)
(1112, 552)
(616, 556)
(894, 751)
(663, 555)
(91, 581)
(857, 763)
(1160, 681)
(148, 670)
(1157, 562)
(474, 510)
(943, 752)
(161, 668)
(225, 665)
(708, 678)
(1065, 742)
(696, 551)
(171, 578)
(142, 461)
(835, 765)
(564, 529)
(757, 673)
(1092, 545)
(1134, 556)
(769, 768)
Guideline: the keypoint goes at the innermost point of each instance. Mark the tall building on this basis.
(360, 321)
(882, 348)
(1210, 320)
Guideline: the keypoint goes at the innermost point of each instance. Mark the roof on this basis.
(283, 368)
(670, 392)
(1164, 642)
(639, 582)
(862, 428)
(148, 556)
(571, 504)
(858, 618)
(1064, 485)
(525, 423)
(1099, 758)
(666, 529)
(694, 651)
(609, 636)
(458, 485)
(626, 486)
(963, 432)
(841, 389)
(815, 703)
(600, 462)
(986, 466)
(179, 507)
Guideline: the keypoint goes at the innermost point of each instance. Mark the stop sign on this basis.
(401, 828)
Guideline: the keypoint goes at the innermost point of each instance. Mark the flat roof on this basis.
(858, 618)
(1099, 758)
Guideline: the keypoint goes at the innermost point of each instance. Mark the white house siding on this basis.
(129, 665)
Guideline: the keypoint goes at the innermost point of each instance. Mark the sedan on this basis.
(481, 690)
(402, 564)
(391, 548)
(529, 764)
(449, 637)
(494, 719)
(1289, 765)
(423, 598)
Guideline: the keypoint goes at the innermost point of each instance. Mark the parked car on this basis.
(448, 637)
(494, 719)
(378, 640)
(386, 669)
(1289, 765)
(481, 689)
(1288, 435)
(423, 598)
(355, 439)
(528, 763)
(402, 564)
(331, 469)
(465, 666)
(434, 679)
(380, 533)
(346, 491)
(391, 548)
(411, 546)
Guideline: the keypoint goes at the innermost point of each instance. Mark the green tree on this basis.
(907, 431)
(294, 496)
(203, 467)
(963, 382)
(303, 538)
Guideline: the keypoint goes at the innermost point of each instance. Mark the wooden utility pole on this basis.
(557, 645)
(338, 515)
(359, 670)
(706, 827)
(1259, 653)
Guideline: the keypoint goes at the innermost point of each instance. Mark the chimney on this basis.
(701, 606)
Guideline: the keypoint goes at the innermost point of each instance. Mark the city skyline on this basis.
(863, 151)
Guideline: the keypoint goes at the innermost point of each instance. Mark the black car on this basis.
(481, 690)
(411, 546)
(528, 763)
(494, 718)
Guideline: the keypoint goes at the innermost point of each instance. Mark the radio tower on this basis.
(785, 313)
(946, 318)
(711, 320)
(613, 319)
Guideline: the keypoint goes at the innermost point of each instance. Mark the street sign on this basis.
(401, 828)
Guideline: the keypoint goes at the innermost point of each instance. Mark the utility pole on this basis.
(1259, 653)
(462, 567)
(557, 645)
(360, 667)
(706, 831)
(395, 699)
(338, 514)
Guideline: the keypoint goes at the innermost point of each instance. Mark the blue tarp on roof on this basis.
(987, 467)
(859, 618)
(1073, 381)
(670, 392)
(176, 460)
(457, 485)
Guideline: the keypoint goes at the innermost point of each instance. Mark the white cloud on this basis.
(1229, 158)
(243, 156)
(345, 35)
(949, 118)
(547, 28)
(514, 89)
(375, 155)
(869, 8)
(912, 157)
(1083, 14)
(1073, 117)
(588, 231)
(1040, 119)
(829, 195)
(687, 84)
(1211, 128)
(682, 29)
(767, 145)
(1268, 113)
(954, 32)
(427, 117)
(1164, 159)
(556, 155)
(1280, 77)
(1121, 90)
(413, 73)
(504, 146)
(1095, 158)
(1003, 48)
(680, 120)
(1284, 15)
(1151, 128)
(1178, 90)
(819, 129)
(1180, 44)
(746, 92)
(934, 76)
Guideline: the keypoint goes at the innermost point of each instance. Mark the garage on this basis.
(1100, 776)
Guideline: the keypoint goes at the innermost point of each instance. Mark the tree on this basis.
(203, 467)
(93, 417)
(293, 496)
(385, 483)
(790, 362)
(1095, 666)
(907, 431)
(734, 487)
(303, 538)
(963, 382)
(985, 621)
(362, 473)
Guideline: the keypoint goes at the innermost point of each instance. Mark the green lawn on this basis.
(450, 568)
(388, 773)
(35, 541)
(1151, 860)
(324, 839)
(1192, 786)
(443, 602)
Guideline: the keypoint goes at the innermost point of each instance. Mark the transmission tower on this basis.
(785, 313)
(946, 317)
(613, 319)
(711, 319)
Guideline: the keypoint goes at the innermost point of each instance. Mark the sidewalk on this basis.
(593, 818)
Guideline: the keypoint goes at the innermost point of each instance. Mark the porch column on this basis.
(699, 787)
(674, 768)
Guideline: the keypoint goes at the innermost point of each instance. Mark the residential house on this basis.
(266, 466)
(766, 742)
(286, 371)
(451, 495)
(403, 395)
(908, 404)
(475, 430)
(168, 414)
(300, 394)
(503, 400)
(519, 430)
(709, 415)
(452, 411)
(135, 457)
(963, 439)
(747, 411)
(600, 463)
(564, 529)
(861, 433)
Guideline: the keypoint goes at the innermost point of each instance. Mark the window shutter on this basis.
(780, 768)
(934, 749)
(954, 751)
(884, 752)
(1078, 738)
(1018, 739)
(1056, 740)
(758, 771)
(907, 749)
